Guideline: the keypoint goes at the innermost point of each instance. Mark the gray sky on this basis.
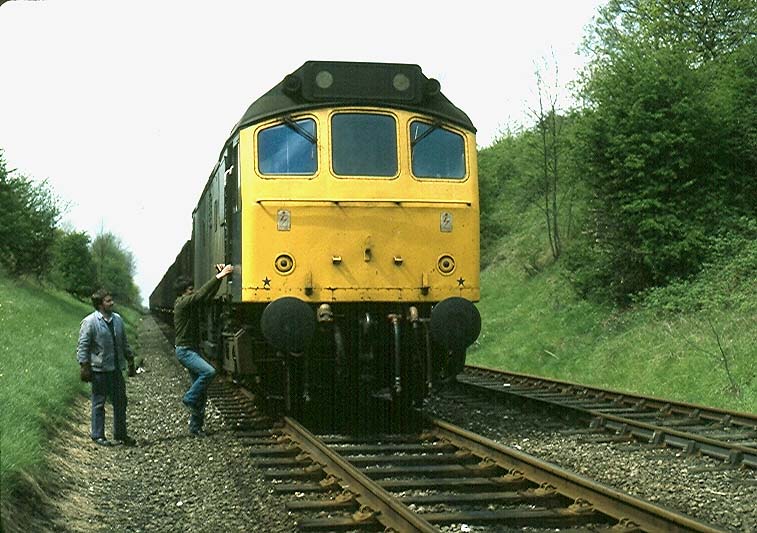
(124, 106)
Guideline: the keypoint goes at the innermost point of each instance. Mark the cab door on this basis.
(232, 223)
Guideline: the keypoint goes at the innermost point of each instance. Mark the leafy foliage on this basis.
(670, 105)
(29, 213)
(499, 167)
(727, 279)
(31, 243)
(706, 29)
(114, 265)
(73, 267)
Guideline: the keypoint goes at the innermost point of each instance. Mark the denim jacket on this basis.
(96, 343)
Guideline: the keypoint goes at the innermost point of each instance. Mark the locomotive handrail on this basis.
(365, 200)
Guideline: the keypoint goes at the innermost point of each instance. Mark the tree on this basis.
(29, 213)
(550, 149)
(114, 266)
(665, 161)
(517, 173)
(705, 29)
(73, 267)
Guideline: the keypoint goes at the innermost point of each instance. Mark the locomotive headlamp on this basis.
(284, 263)
(387, 82)
(324, 79)
(401, 82)
(446, 264)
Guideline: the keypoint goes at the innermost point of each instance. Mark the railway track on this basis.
(727, 436)
(427, 481)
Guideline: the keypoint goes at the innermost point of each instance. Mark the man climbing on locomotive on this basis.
(186, 324)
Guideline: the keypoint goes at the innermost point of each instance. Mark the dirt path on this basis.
(171, 481)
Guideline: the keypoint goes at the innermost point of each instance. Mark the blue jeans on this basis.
(108, 384)
(201, 373)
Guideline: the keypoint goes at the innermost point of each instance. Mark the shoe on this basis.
(102, 441)
(193, 410)
(127, 441)
(197, 433)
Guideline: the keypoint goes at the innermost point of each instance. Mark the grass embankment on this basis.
(534, 323)
(39, 375)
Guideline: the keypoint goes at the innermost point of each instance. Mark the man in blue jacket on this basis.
(103, 353)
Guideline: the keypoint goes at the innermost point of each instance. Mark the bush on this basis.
(29, 213)
(726, 281)
(667, 146)
(115, 268)
(73, 268)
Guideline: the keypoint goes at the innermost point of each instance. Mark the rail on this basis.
(690, 427)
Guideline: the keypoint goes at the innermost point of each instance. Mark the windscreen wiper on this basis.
(299, 129)
(435, 126)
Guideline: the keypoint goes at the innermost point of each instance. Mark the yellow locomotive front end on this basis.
(353, 214)
(361, 211)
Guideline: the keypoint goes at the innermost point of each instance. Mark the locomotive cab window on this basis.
(289, 148)
(364, 144)
(436, 152)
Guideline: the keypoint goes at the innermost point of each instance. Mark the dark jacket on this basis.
(186, 313)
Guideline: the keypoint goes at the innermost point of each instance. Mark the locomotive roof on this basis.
(318, 84)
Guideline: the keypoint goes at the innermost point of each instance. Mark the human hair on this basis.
(181, 284)
(98, 297)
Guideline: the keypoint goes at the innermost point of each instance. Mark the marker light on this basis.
(284, 263)
(446, 264)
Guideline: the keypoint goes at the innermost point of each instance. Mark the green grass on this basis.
(39, 375)
(534, 323)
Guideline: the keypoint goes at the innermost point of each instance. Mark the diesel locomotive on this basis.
(346, 197)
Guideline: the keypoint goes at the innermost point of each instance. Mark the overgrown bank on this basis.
(39, 376)
(694, 341)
